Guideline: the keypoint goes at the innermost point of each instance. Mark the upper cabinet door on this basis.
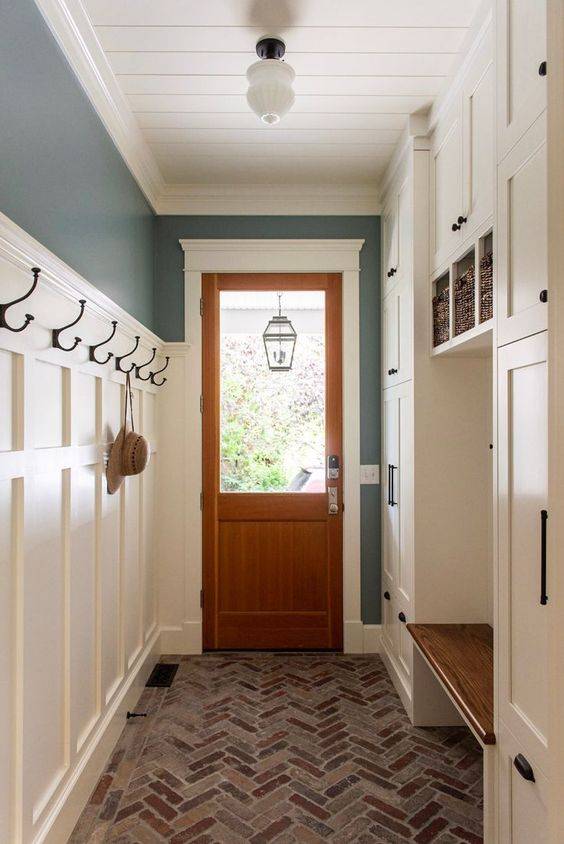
(522, 502)
(390, 241)
(397, 335)
(522, 269)
(478, 147)
(446, 188)
(521, 49)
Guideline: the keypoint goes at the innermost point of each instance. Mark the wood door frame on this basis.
(218, 506)
(259, 256)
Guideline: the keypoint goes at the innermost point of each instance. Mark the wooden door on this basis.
(523, 612)
(272, 559)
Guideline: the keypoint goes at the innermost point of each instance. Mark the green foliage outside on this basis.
(272, 423)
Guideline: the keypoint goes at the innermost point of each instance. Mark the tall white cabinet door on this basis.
(522, 499)
(390, 469)
(522, 268)
(390, 240)
(521, 48)
(446, 187)
(478, 147)
(523, 804)
(397, 334)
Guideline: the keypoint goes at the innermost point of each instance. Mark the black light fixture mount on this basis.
(270, 48)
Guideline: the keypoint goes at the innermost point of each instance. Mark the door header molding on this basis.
(268, 255)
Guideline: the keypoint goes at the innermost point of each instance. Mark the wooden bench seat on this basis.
(461, 656)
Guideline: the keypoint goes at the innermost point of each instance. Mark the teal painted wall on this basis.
(61, 177)
(169, 324)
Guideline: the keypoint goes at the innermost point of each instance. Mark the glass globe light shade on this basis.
(270, 93)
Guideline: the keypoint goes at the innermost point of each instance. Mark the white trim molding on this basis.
(181, 443)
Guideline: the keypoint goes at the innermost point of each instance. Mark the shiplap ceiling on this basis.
(362, 67)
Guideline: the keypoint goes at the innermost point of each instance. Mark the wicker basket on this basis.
(441, 304)
(464, 310)
(486, 287)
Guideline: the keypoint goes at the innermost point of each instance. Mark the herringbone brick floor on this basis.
(284, 747)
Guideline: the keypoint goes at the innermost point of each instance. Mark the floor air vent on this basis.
(162, 675)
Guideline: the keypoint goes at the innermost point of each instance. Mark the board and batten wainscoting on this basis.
(78, 597)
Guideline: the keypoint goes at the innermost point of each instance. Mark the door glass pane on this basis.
(272, 391)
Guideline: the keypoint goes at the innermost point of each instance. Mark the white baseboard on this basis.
(372, 634)
(62, 818)
(184, 639)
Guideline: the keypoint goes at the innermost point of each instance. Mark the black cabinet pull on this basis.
(392, 371)
(543, 595)
(389, 483)
(387, 595)
(542, 69)
(402, 618)
(543, 296)
(524, 768)
(392, 502)
(392, 271)
(459, 223)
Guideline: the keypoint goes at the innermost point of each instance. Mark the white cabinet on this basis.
(446, 186)
(396, 237)
(523, 803)
(522, 270)
(523, 693)
(463, 159)
(521, 49)
(397, 334)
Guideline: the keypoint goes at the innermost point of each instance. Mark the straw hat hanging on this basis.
(130, 451)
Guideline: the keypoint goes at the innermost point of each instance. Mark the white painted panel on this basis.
(132, 569)
(391, 513)
(7, 658)
(84, 409)
(112, 414)
(149, 420)
(149, 580)
(45, 737)
(522, 241)
(47, 405)
(479, 142)
(110, 591)
(247, 121)
(255, 135)
(308, 63)
(83, 603)
(341, 39)
(523, 466)
(446, 188)
(273, 14)
(6, 400)
(404, 484)
(523, 816)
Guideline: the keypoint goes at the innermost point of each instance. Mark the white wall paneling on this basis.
(77, 567)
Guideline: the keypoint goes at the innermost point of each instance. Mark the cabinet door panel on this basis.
(522, 243)
(521, 47)
(523, 805)
(522, 495)
(397, 334)
(446, 198)
(478, 141)
(390, 242)
(391, 511)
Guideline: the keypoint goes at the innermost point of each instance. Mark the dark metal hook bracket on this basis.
(122, 357)
(92, 352)
(57, 331)
(143, 365)
(159, 383)
(28, 317)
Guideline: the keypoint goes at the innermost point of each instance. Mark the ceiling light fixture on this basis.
(270, 93)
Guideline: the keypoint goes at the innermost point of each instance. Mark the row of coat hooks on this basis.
(56, 342)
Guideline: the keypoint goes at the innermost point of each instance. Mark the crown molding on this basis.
(71, 27)
(268, 255)
(282, 200)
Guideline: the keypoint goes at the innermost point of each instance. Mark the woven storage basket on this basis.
(486, 287)
(464, 290)
(441, 317)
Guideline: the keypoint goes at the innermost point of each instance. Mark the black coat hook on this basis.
(159, 383)
(92, 353)
(28, 317)
(57, 331)
(119, 360)
(143, 365)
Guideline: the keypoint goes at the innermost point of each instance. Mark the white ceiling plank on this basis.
(305, 64)
(355, 86)
(295, 151)
(283, 13)
(327, 104)
(321, 40)
(278, 137)
(292, 121)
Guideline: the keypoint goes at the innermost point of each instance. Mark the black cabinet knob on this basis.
(392, 371)
(542, 69)
(402, 618)
(524, 767)
(456, 227)
(387, 595)
(462, 220)
(392, 271)
(543, 296)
